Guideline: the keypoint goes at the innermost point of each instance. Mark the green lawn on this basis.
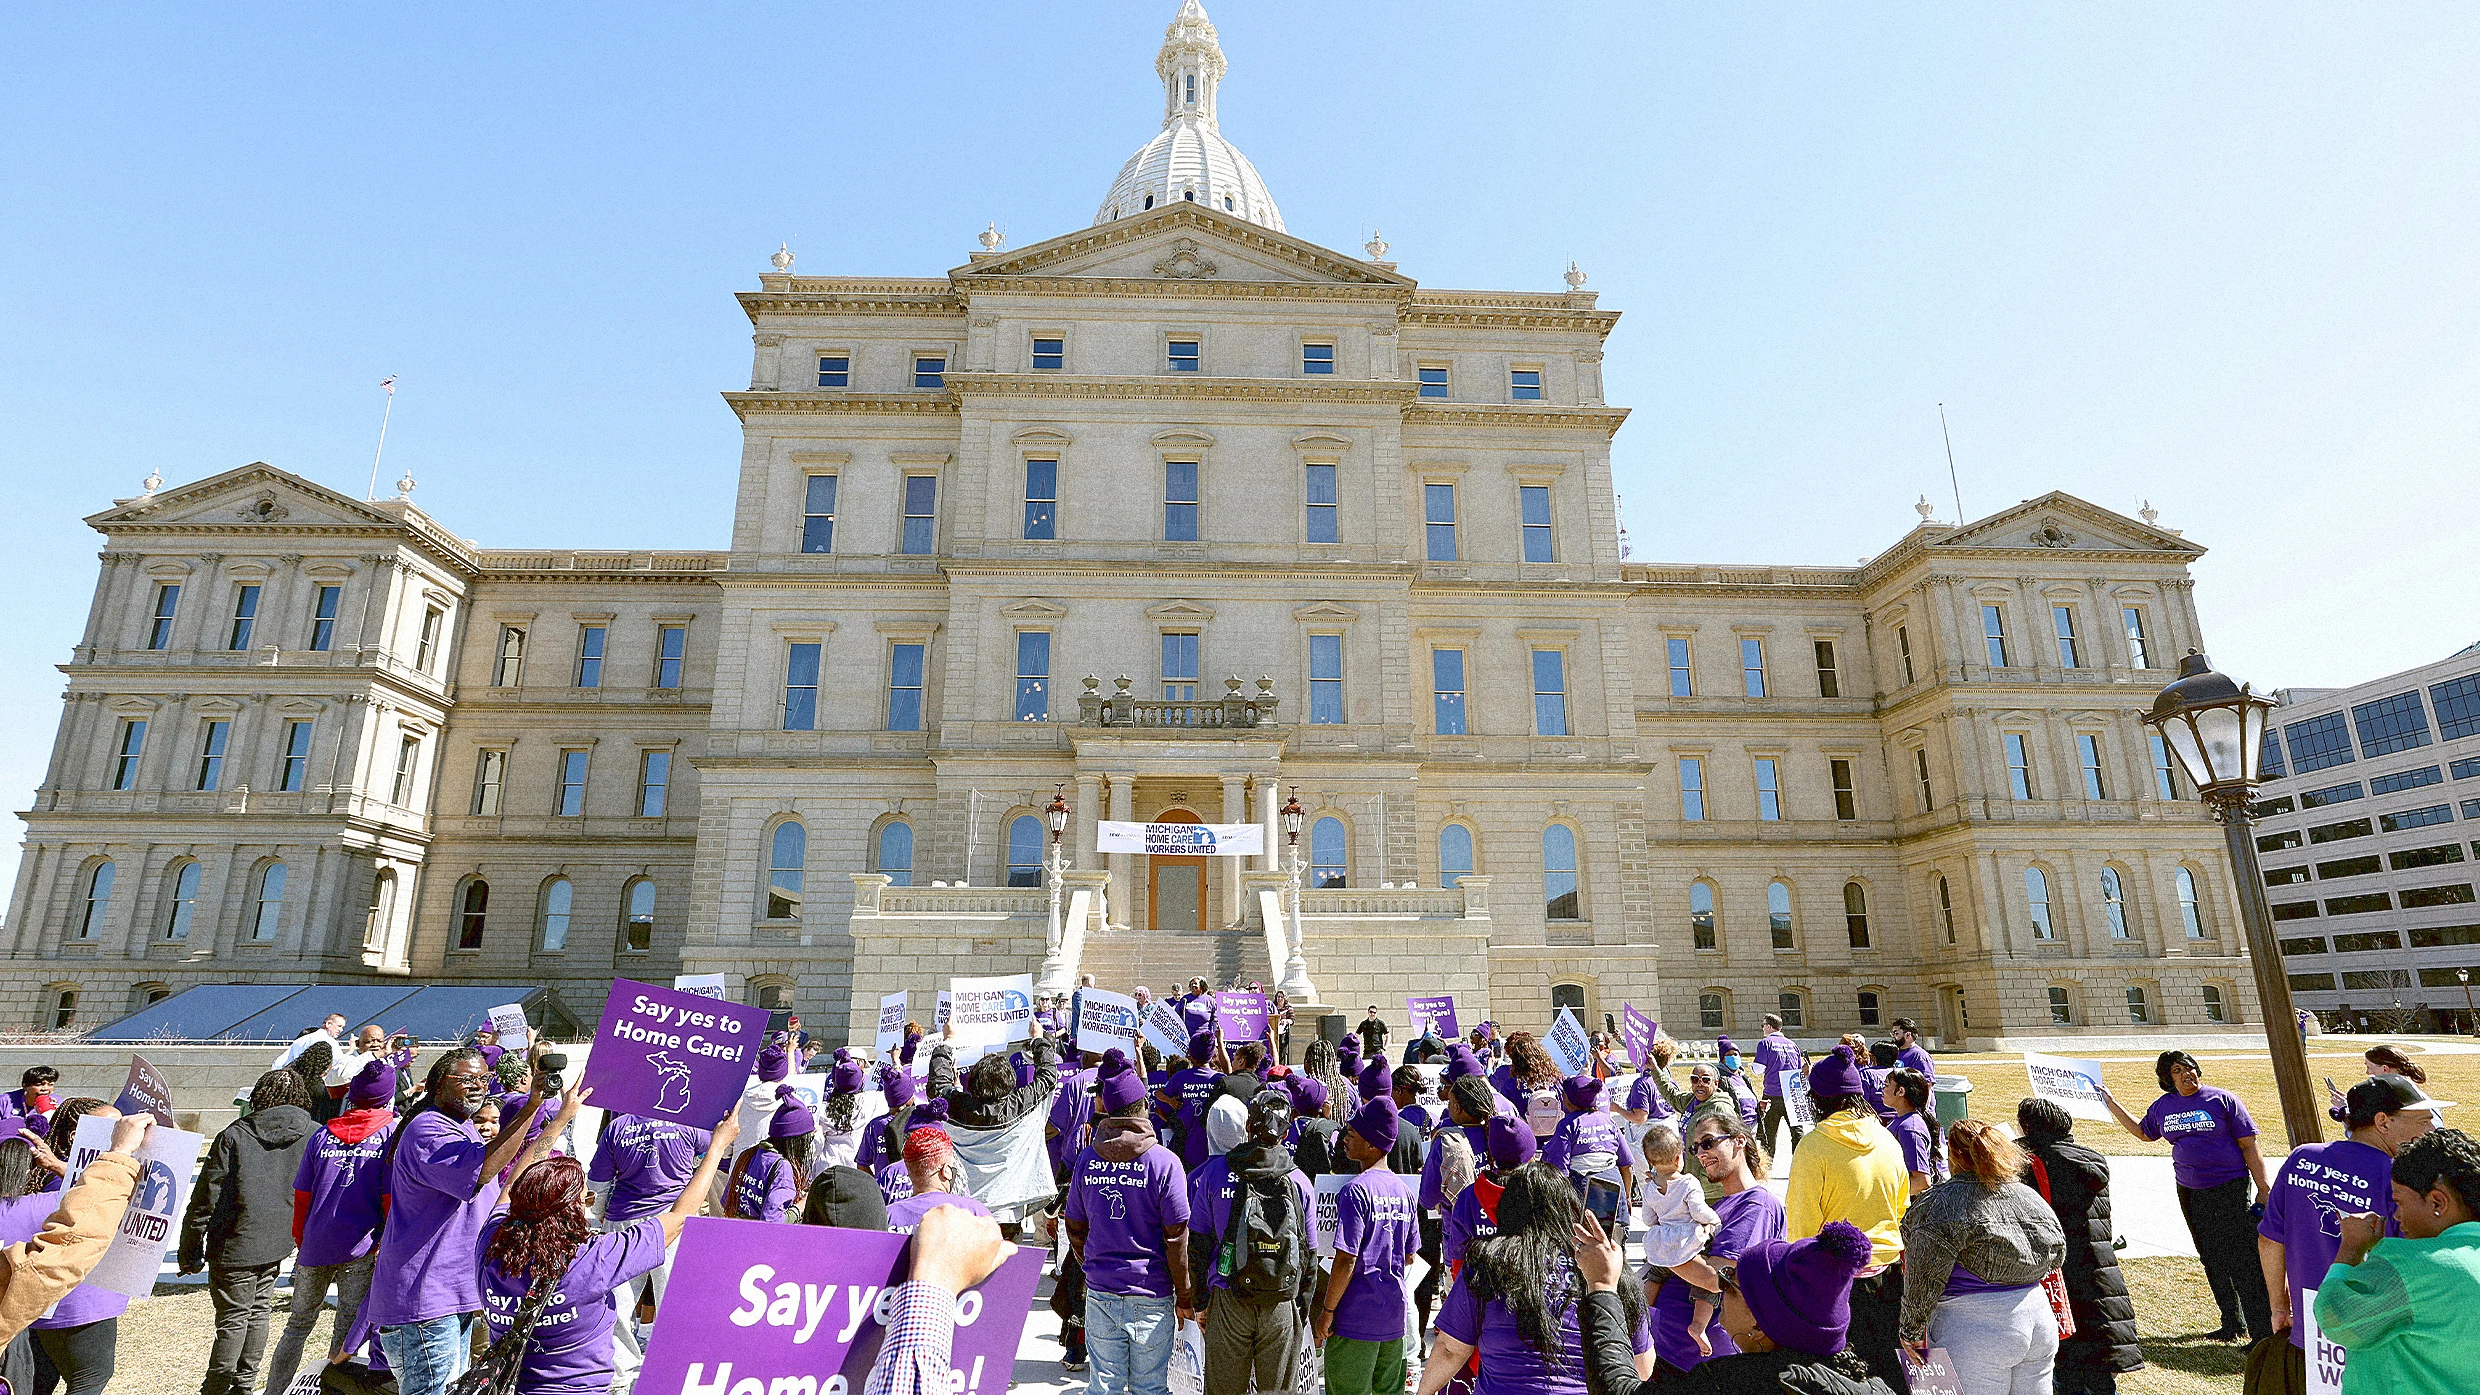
(2174, 1311)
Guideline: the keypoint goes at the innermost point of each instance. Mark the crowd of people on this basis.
(1482, 1194)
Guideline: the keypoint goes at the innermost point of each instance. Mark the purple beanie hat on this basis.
(1377, 1123)
(1348, 1051)
(930, 1111)
(1200, 1048)
(1723, 1047)
(373, 1086)
(792, 1118)
(896, 1083)
(775, 1060)
(1509, 1142)
(1799, 1291)
(1308, 1094)
(848, 1078)
(1118, 1089)
(1838, 1074)
(1375, 1079)
(1462, 1062)
(1581, 1091)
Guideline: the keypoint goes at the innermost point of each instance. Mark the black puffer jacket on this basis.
(2105, 1317)
(973, 1112)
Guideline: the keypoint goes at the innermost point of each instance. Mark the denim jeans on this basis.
(428, 1356)
(351, 1281)
(1128, 1338)
(243, 1295)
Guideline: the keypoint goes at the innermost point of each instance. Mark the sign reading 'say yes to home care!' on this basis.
(665, 1054)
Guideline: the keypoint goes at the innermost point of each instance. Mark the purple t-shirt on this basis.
(1913, 1058)
(1781, 1059)
(763, 1191)
(903, 1216)
(1124, 1207)
(1912, 1133)
(1193, 1090)
(1584, 1132)
(895, 1182)
(426, 1266)
(1214, 1195)
(346, 1193)
(1072, 1113)
(1432, 1193)
(648, 1162)
(1509, 1364)
(22, 1217)
(571, 1351)
(1748, 1219)
(1377, 1224)
(1645, 1095)
(1466, 1221)
(2319, 1185)
(2204, 1130)
(1873, 1089)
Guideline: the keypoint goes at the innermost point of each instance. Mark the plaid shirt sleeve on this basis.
(914, 1359)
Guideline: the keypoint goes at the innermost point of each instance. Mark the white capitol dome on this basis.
(1190, 160)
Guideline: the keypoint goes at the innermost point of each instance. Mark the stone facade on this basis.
(1174, 518)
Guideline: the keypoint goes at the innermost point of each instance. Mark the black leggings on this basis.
(82, 1356)
(2219, 1222)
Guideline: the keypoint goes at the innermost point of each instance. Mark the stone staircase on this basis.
(1164, 963)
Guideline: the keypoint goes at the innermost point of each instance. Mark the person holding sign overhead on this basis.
(45, 1262)
(81, 1335)
(2213, 1156)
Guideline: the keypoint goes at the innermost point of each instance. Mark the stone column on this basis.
(1235, 810)
(1122, 865)
(1088, 814)
(1269, 813)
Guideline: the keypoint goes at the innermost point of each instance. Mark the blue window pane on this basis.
(1325, 680)
(1033, 676)
(834, 370)
(1185, 356)
(1321, 484)
(1524, 384)
(1446, 667)
(2458, 707)
(904, 683)
(1438, 516)
(895, 853)
(1024, 844)
(1317, 358)
(1327, 867)
(1326, 656)
(908, 665)
(1049, 353)
(1534, 501)
(2387, 725)
(1433, 382)
(1041, 499)
(2319, 743)
(1558, 865)
(1180, 501)
(1682, 677)
(1321, 500)
(1455, 854)
(1549, 692)
(2269, 762)
(929, 372)
(921, 508)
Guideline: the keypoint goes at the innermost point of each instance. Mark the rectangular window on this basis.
(590, 655)
(425, 644)
(1869, 1012)
(2466, 769)
(408, 758)
(1524, 384)
(904, 686)
(2165, 776)
(244, 619)
(1179, 667)
(2350, 867)
(211, 754)
(1928, 794)
(654, 778)
(2387, 725)
(2269, 808)
(167, 604)
(1438, 520)
(1549, 692)
(2418, 897)
(1709, 1010)
(323, 623)
(2319, 743)
(2061, 1008)
(1433, 380)
(1829, 681)
(2286, 876)
(1752, 667)
(1050, 353)
(2445, 936)
(1179, 501)
(2336, 832)
(1033, 675)
(125, 757)
(572, 792)
(2361, 944)
(1993, 634)
(921, 515)
(2426, 857)
(2359, 905)
(2416, 818)
(1533, 501)
(1793, 1011)
(2062, 618)
(2139, 1010)
(508, 667)
(2305, 945)
(1317, 359)
(1903, 647)
(1769, 790)
(835, 370)
(293, 778)
(1325, 680)
(2137, 653)
(929, 370)
(818, 513)
(2311, 982)
(490, 773)
(1446, 681)
(1692, 789)
(2458, 708)
(1320, 493)
(1041, 500)
(2019, 764)
(2295, 910)
(2269, 761)
(801, 685)
(1683, 672)
(2278, 842)
(1846, 799)
(1187, 355)
(671, 646)
(2331, 794)
(2088, 745)
(2402, 780)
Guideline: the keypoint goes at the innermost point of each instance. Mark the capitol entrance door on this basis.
(1176, 886)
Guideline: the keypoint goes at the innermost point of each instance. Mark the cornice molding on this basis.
(836, 403)
(1182, 385)
(1179, 288)
(823, 296)
(1607, 420)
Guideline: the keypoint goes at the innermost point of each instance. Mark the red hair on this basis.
(545, 1224)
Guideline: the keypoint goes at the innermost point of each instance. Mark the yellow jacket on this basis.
(40, 1272)
(1849, 1168)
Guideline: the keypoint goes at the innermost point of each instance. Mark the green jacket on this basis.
(2406, 1316)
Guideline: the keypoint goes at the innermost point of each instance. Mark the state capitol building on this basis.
(1172, 518)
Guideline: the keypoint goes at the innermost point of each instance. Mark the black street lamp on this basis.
(2471, 1015)
(2215, 728)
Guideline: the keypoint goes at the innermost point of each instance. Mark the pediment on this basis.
(1034, 610)
(1186, 242)
(2059, 522)
(256, 495)
(1192, 612)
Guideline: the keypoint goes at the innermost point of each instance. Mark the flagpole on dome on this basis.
(388, 384)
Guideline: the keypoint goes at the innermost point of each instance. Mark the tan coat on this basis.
(41, 1271)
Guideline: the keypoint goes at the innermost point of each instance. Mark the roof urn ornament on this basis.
(154, 481)
(991, 237)
(2148, 513)
(1575, 277)
(404, 485)
(1925, 509)
(1375, 246)
(782, 258)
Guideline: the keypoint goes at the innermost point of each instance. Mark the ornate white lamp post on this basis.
(1296, 985)
(1054, 964)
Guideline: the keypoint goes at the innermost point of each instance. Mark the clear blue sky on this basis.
(2218, 256)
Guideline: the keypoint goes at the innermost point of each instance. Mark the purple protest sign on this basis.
(1240, 1016)
(665, 1054)
(1435, 1014)
(1639, 1030)
(146, 1092)
(772, 1306)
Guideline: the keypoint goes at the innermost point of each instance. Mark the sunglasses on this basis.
(1710, 1142)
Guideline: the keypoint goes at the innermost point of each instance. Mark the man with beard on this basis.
(1249, 1252)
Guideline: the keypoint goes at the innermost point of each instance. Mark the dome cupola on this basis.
(1189, 161)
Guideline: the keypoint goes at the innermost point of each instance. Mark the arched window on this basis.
(1327, 862)
(1778, 914)
(98, 901)
(557, 895)
(2114, 902)
(143, 994)
(267, 907)
(1558, 872)
(2216, 1007)
(1856, 914)
(64, 1005)
(2036, 894)
(382, 910)
(771, 994)
(184, 889)
(1946, 908)
(2190, 914)
(1792, 1006)
(1701, 925)
(895, 852)
(637, 916)
(2061, 1007)
(786, 854)
(1455, 854)
(472, 913)
(1872, 1009)
(1567, 995)
(1024, 847)
(1712, 1007)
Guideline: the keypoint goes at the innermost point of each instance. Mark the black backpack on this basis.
(1266, 1253)
(1314, 1152)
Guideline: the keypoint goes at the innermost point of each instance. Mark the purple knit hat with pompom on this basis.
(1799, 1291)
